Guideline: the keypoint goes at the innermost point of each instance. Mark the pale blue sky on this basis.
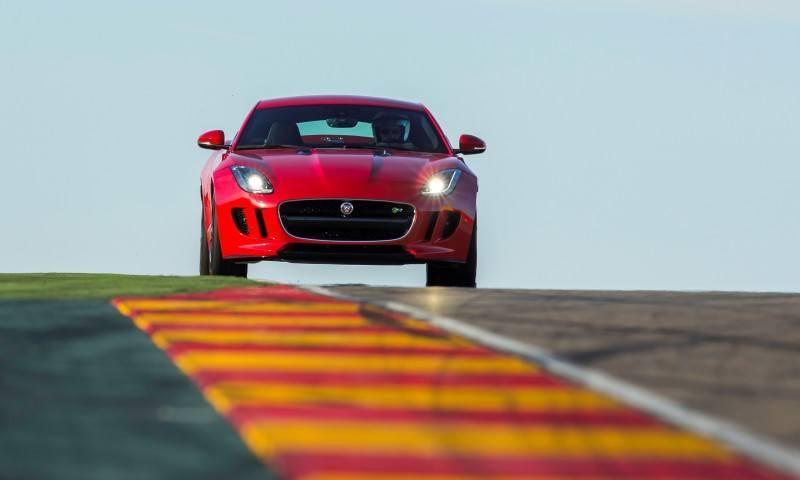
(633, 144)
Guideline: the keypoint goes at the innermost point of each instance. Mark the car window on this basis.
(341, 126)
(321, 127)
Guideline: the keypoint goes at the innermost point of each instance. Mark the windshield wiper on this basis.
(382, 148)
(403, 149)
(368, 147)
(378, 151)
(270, 147)
(361, 147)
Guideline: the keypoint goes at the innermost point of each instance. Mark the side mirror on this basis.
(213, 140)
(470, 145)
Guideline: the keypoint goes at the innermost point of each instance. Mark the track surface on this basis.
(731, 355)
(322, 388)
(86, 396)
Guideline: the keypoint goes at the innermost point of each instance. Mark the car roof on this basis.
(338, 100)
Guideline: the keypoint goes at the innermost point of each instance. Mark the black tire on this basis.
(447, 274)
(204, 262)
(216, 264)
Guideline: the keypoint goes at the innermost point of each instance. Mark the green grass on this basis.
(87, 286)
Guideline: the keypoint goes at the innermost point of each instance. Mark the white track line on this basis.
(761, 449)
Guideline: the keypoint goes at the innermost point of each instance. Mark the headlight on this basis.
(442, 183)
(251, 180)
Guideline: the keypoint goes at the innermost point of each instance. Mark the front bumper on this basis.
(250, 230)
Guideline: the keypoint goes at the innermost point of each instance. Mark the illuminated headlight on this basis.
(442, 183)
(251, 180)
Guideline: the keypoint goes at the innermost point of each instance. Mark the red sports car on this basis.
(340, 179)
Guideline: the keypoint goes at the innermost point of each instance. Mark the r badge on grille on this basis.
(346, 208)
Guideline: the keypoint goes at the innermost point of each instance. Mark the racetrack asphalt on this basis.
(86, 396)
(735, 356)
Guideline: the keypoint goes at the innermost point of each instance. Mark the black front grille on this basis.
(431, 226)
(451, 220)
(369, 221)
(346, 254)
(240, 220)
(262, 227)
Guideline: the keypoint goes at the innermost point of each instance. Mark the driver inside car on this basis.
(391, 132)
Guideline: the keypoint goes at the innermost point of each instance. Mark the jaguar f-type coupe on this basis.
(340, 179)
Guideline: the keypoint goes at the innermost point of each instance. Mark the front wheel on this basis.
(204, 261)
(211, 261)
(445, 274)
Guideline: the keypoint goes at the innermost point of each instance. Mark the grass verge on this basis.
(102, 286)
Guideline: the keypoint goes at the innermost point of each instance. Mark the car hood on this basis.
(345, 173)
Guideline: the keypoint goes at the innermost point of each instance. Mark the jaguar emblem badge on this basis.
(346, 208)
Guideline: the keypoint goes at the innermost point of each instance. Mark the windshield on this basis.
(341, 126)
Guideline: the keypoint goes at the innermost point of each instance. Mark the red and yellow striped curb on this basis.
(328, 389)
